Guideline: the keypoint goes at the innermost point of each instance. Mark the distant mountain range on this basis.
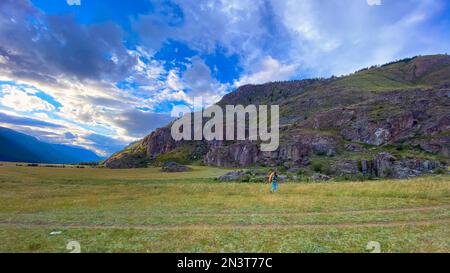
(18, 147)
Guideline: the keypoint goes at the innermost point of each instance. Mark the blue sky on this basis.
(103, 73)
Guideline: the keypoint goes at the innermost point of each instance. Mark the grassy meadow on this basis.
(145, 210)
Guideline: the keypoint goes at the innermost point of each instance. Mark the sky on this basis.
(103, 73)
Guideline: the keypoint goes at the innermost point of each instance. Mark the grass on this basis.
(145, 210)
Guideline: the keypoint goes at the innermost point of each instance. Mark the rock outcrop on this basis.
(141, 153)
(352, 122)
(292, 153)
(233, 155)
(158, 142)
(387, 166)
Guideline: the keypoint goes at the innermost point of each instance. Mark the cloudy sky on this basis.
(103, 73)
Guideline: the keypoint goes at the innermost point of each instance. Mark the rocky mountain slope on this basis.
(393, 118)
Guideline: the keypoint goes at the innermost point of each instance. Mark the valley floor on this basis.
(145, 210)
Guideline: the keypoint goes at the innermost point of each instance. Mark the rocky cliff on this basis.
(346, 123)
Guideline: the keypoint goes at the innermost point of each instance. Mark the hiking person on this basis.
(273, 178)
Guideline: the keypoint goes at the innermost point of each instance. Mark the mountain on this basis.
(395, 116)
(18, 147)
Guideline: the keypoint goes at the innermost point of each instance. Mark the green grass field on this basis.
(145, 210)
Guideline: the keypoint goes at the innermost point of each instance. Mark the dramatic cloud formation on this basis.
(100, 75)
(23, 101)
(44, 48)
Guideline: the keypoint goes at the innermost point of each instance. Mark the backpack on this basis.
(271, 177)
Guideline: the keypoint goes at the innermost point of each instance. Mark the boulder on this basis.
(320, 177)
(232, 176)
(173, 167)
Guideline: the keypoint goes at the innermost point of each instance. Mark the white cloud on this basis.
(137, 123)
(3, 59)
(74, 2)
(199, 82)
(319, 38)
(373, 2)
(268, 70)
(22, 101)
(174, 82)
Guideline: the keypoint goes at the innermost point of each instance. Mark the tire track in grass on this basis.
(305, 213)
(225, 226)
(269, 213)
